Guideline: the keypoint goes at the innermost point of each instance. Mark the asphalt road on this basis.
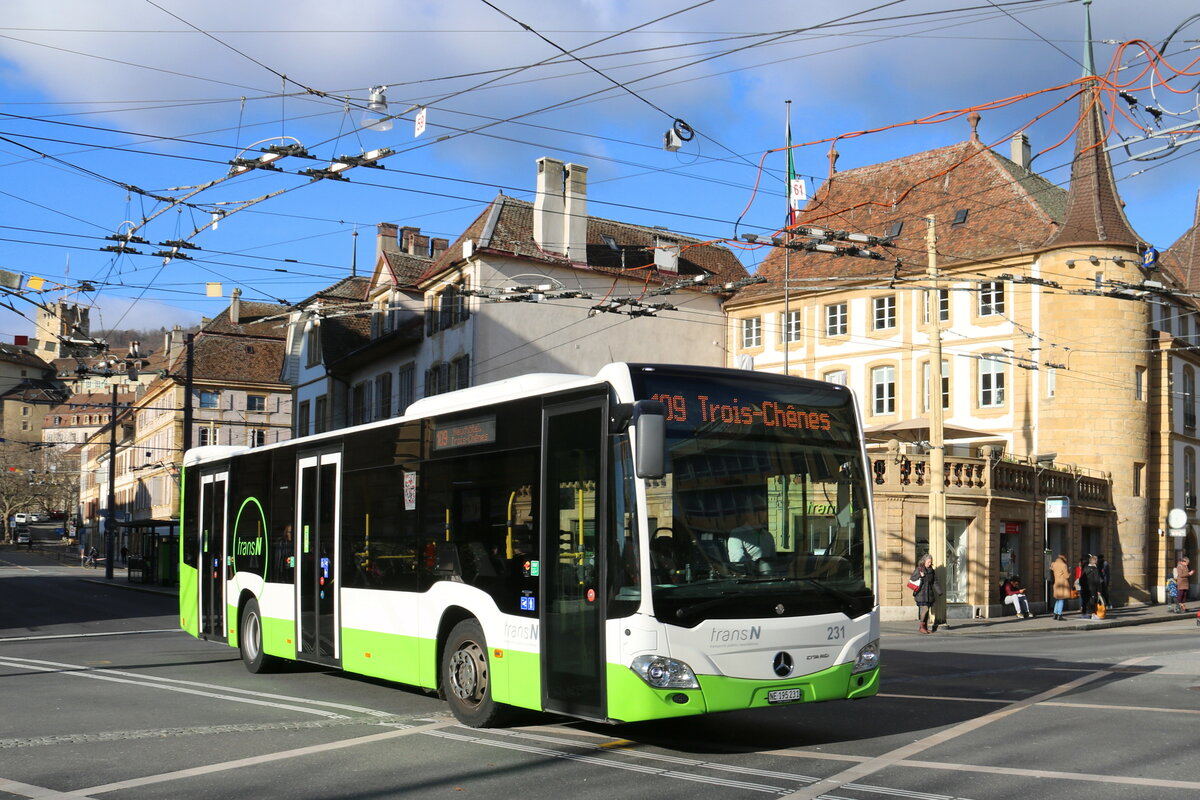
(101, 696)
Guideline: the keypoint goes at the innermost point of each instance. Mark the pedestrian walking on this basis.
(1183, 571)
(1090, 584)
(1062, 584)
(925, 589)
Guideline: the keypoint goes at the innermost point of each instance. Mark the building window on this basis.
(991, 299)
(1139, 478)
(837, 376)
(789, 327)
(321, 414)
(835, 319)
(991, 383)
(24, 425)
(883, 390)
(383, 395)
(883, 312)
(1139, 383)
(1189, 478)
(257, 437)
(312, 345)
(359, 404)
(303, 419)
(256, 402)
(24, 411)
(943, 305)
(1189, 398)
(209, 399)
(433, 377)
(205, 437)
(405, 387)
(752, 332)
(926, 370)
(460, 373)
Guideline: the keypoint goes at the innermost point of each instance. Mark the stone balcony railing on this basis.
(902, 473)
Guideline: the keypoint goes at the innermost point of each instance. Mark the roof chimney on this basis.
(1021, 154)
(548, 206)
(385, 241)
(235, 307)
(575, 221)
(440, 246)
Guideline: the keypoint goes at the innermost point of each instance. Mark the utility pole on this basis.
(937, 449)
(111, 516)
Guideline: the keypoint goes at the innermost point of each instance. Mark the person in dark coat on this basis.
(927, 590)
(1105, 577)
(1089, 587)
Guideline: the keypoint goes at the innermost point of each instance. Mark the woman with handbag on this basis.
(1062, 584)
(1183, 571)
(925, 588)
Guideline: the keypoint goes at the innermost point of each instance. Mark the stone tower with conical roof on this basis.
(1097, 411)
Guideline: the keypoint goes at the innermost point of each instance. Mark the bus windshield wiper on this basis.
(849, 600)
(683, 612)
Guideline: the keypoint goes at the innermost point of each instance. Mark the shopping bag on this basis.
(1101, 611)
(914, 584)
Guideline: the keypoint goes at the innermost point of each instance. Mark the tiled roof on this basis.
(341, 335)
(220, 358)
(266, 320)
(1004, 208)
(35, 390)
(13, 354)
(1095, 213)
(406, 268)
(1183, 257)
(506, 227)
(348, 290)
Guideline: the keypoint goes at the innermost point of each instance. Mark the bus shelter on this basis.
(153, 555)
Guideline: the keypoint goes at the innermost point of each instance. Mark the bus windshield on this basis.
(764, 510)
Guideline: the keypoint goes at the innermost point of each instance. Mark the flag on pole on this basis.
(796, 190)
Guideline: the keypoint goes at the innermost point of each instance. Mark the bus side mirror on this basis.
(650, 429)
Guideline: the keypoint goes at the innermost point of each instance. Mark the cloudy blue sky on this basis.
(109, 111)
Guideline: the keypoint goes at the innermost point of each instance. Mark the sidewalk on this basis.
(1116, 618)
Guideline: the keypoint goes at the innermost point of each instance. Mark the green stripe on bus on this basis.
(629, 698)
(189, 600)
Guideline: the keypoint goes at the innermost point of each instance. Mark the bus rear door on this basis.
(211, 591)
(572, 584)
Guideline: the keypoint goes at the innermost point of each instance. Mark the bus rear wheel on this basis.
(250, 638)
(466, 678)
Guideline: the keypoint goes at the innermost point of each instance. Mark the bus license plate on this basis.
(783, 696)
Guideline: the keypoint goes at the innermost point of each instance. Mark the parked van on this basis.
(20, 518)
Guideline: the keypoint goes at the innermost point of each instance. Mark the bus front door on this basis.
(572, 584)
(319, 490)
(212, 555)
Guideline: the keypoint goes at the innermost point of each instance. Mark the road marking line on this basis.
(205, 769)
(77, 670)
(880, 762)
(1054, 774)
(953, 699)
(25, 789)
(96, 674)
(4, 639)
(1105, 707)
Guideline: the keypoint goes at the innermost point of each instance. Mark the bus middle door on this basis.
(318, 488)
(572, 579)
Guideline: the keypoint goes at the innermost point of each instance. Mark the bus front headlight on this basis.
(867, 658)
(661, 672)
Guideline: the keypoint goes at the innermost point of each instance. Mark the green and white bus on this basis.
(655, 541)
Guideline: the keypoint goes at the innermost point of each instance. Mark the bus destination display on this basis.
(464, 433)
(703, 409)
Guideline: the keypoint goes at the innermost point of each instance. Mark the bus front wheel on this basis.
(250, 638)
(466, 678)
